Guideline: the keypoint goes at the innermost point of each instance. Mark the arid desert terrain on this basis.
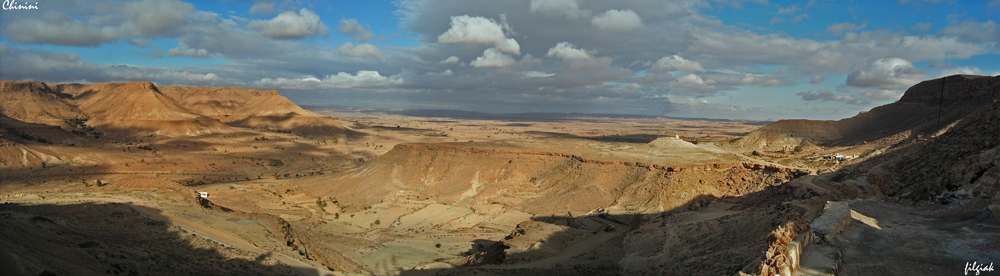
(105, 179)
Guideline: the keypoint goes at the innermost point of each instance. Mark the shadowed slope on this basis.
(925, 108)
(961, 163)
(24, 132)
(34, 102)
(113, 239)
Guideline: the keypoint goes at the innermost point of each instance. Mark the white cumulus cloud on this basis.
(675, 63)
(290, 25)
(536, 74)
(692, 80)
(966, 70)
(825, 95)
(350, 26)
(568, 8)
(492, 57)
(130, 19)
(262, 7)
(617, 20)
(342, 80)
(479, 30)
(567, 51)
(183, 50)
(360, 50)
(886, 73)
(986, 31)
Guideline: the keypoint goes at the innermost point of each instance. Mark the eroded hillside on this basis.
(386, 194)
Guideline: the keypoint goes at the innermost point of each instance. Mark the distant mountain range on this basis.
(524, 116)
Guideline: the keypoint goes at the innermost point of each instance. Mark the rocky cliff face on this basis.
(960, 164)
(925, 109)
(254, 108)
(957, 89)
(139, 108)
(34, 102)
(142, 108)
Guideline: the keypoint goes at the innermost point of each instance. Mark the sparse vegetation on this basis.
(594, 174)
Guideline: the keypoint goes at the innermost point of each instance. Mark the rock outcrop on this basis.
(142, 108)
(138, 108)
(925, 109)
(253, 108)
(34, 102)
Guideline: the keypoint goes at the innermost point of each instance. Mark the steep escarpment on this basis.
(140, 108)
(253, 108)
(34, 102)
(925, 109)
(226, 104)
(539, 182)
(960, 164)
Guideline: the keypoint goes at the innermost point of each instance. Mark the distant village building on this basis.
(203, 194)
(843, 157)
(838, 157)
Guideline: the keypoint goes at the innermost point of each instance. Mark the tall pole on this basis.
(937, 125)
(940, 103)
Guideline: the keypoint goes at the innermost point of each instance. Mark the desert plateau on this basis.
(499, 138)
(96, 188)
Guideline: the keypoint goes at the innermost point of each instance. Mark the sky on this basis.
(753, 60)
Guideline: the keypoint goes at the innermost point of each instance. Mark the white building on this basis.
(843, 157)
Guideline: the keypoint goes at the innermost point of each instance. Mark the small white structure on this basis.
(203, 194)
(843, 157)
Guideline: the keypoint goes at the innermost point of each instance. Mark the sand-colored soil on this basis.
(293, 192)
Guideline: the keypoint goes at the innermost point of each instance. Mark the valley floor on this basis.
(428, 196)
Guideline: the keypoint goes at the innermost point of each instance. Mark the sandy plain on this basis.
(405, 231)
(390, 194)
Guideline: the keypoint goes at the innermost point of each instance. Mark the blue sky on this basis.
(711, 59)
